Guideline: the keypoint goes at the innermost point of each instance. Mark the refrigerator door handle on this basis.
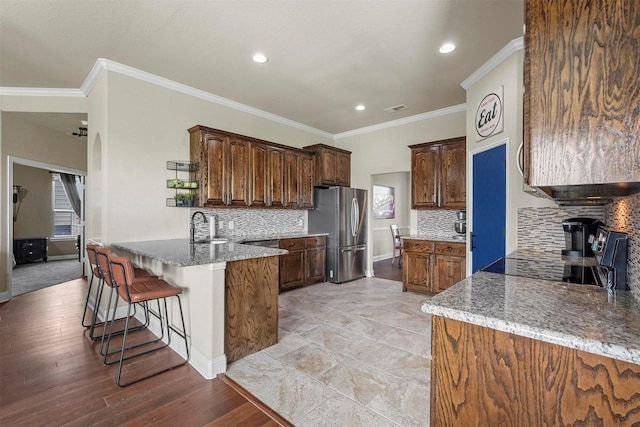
(354, 217)
(358, 249)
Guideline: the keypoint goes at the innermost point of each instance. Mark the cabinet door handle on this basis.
(449, 248)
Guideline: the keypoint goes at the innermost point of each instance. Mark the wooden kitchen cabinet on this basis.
(482, 376)
(450, 265)
(275, 177)
(238, 175)
(251, 306)
(438, 174)
(582, 74)
(333, 165)
(432, 266)
(315, 262)
(239, 171)
(304, 264)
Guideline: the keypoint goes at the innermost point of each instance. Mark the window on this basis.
(65, 221)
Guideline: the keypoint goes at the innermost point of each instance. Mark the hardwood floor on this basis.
(384, 270)
(51, 374)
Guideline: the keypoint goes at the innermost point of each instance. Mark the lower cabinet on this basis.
(482, 376)
(432, 266)
(30, 249)
(304, 264)
(251, 306)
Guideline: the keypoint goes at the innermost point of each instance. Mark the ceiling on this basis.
(325, 57)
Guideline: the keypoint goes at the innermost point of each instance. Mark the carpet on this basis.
(37, 275)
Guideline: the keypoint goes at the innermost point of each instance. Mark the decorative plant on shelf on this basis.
(185, 199)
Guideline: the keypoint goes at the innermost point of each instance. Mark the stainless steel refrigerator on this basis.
(342, 212)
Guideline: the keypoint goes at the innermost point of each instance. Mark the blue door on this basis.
(489, 206)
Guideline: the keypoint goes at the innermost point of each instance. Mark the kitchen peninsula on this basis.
(219, 280)
(510, 350)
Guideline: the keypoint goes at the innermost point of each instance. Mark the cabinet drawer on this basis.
(418, 246)
(293, 244)
(448, 248)
(316, 241)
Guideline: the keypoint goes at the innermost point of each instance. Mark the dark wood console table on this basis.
(31, 249)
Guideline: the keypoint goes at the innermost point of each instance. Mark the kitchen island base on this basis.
(481, 376)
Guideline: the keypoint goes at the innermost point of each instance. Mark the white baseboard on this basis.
(5, 296)
(382, 257)
(61, 257)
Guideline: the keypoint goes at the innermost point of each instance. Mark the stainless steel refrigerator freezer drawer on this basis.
(346, 263)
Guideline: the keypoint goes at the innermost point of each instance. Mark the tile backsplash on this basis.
(252, 222)
(436, 221)
(624, 215)
(541, 229)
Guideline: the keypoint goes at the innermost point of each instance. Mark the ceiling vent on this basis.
(396, 108)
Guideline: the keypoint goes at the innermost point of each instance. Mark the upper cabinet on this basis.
(438, 174)
(333, 166)
(246, 172)
(582, 91)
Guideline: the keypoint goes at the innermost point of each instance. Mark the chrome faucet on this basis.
(193, 226)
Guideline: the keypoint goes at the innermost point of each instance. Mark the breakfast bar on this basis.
(200, 269)
(521, 351)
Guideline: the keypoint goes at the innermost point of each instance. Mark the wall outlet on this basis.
(221, 225)
(300, 222)
(230, 225)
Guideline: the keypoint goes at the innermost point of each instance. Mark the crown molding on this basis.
(510, 48)
(40, 91)
(411, 119)
(103, 65)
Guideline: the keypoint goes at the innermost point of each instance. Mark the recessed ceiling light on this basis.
(260, 58)
(360, 107)
(447, 48)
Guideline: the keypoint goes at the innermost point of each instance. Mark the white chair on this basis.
(397, 243)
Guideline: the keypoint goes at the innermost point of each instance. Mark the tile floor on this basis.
(355, 354)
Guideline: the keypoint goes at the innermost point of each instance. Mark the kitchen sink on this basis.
(214, 240)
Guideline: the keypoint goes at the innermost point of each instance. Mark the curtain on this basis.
(69, 183)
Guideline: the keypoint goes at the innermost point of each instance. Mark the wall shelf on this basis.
(184, 186)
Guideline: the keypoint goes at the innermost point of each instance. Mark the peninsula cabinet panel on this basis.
(251, 306)
(582, 91)
(333, 165)
(438, 174)
(480, 376)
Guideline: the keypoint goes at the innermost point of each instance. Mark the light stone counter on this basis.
(582, 317)
(182, 253)
(436, 237)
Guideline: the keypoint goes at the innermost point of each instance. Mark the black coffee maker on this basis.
(576, 236)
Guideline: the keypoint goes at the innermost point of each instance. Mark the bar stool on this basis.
(102, 259)
(133, 292)
(95, 272)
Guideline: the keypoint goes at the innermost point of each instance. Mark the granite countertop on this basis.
(582, 317)
(274, 236)
(182, 253)
(438, 237)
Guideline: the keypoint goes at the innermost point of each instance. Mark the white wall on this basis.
(509, 74)
(382, 242)
(386, 151)
(24, 140)
(139, 127)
